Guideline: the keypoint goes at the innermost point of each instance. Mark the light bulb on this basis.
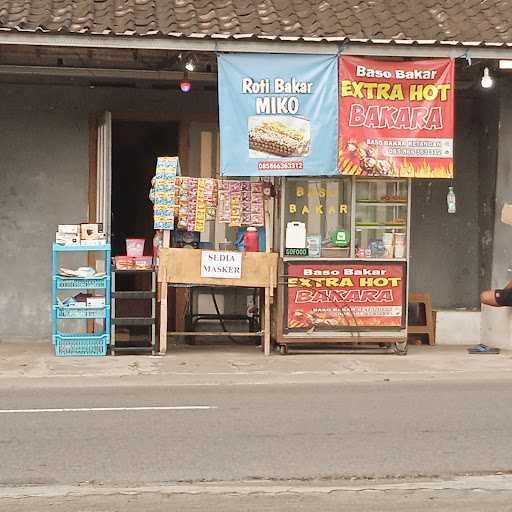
(185, 85)
(190, 65)
(487, 80)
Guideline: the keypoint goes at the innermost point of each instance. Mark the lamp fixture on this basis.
(505, 64)
(190, 64)
(185, 84)
(487, 80)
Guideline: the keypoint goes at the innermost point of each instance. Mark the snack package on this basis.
(192, 204)
(183, 203)
(245, 203)
(257, 204)
(234, 203)
(200, 211)
(211, 197)
(163, 192)
(223, 209)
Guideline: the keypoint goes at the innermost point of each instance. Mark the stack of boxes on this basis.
(80, 234)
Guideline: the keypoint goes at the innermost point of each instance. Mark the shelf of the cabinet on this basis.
(133, 271)
(380, 226)
(81, 312)
(80, 344)
(381, 203)
(377, 179)
(82, 283)
(125, 321)
(80, 248)
(145, 294)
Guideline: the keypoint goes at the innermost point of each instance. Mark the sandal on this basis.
(483, 349)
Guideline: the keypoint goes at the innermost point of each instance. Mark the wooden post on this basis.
(267, 322)
(163, 317)
(267, 226)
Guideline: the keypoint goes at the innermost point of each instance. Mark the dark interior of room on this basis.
(135, 149)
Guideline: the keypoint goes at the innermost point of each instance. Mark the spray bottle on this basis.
(451, 201)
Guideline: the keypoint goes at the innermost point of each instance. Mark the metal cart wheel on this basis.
(283, 349)
(401, 348)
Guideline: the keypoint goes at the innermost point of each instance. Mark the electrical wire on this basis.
(223, 325)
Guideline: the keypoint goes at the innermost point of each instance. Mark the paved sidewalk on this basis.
(28, 363)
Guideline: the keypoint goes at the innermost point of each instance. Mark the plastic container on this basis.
(135, 247)
(143, 263)
(451, 201)
(73, 283)
(251, 240)
(399, 251)
(82, 344)
(82, 312)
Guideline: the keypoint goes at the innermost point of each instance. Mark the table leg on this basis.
(163, 318)
(266, 343)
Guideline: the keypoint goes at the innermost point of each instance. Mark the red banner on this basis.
(396, 118)
(337, 295)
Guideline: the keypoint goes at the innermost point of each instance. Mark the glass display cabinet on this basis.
(344, 247)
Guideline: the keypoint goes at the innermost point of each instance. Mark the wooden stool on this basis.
(429, 327)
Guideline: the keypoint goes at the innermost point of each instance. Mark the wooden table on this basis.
(183, 266)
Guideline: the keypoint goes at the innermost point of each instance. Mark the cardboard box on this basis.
(95, 302)
(67, 239)
(70, 229)
(99, 241)
(91, 231)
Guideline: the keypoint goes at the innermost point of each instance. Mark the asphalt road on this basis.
(307, 434)
(261, 432)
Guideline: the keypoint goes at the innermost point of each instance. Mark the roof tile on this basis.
(453, 21)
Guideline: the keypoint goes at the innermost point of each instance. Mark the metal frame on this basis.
(266, 44)
(393, 336)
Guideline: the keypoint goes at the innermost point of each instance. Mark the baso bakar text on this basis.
(421, 117)
(347, 286)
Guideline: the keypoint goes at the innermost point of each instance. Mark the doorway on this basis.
(136, 145)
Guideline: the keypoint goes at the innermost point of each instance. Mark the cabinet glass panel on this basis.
(316, 215)
(381, 219)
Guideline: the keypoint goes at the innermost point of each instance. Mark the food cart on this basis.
(344, 248)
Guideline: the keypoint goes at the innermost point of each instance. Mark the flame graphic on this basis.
(348, 165)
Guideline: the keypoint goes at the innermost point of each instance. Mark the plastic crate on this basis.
(67, 283)
(81, 312)
(82, 344)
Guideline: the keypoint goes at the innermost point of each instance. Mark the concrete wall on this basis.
(445, 247)
(497, 322)
(44, 182)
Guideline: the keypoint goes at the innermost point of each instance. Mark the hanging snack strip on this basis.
(164, 193)
(257, 217)
(245, 203)
(192, 204)
(211, 195)
(223, 209)
(183, 203)
(200, 211)
(234, 203)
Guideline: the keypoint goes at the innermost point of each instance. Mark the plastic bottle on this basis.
(251, 240)
(450, 200)
(158, 242)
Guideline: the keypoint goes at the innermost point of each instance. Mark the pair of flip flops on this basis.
(483, 349)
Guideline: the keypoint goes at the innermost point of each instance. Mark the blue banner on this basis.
(278, 114)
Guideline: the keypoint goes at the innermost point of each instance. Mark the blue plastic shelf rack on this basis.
(83, 343)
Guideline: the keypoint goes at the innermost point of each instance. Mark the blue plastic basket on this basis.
(66, 283)
(81, 312)
(80, 344)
